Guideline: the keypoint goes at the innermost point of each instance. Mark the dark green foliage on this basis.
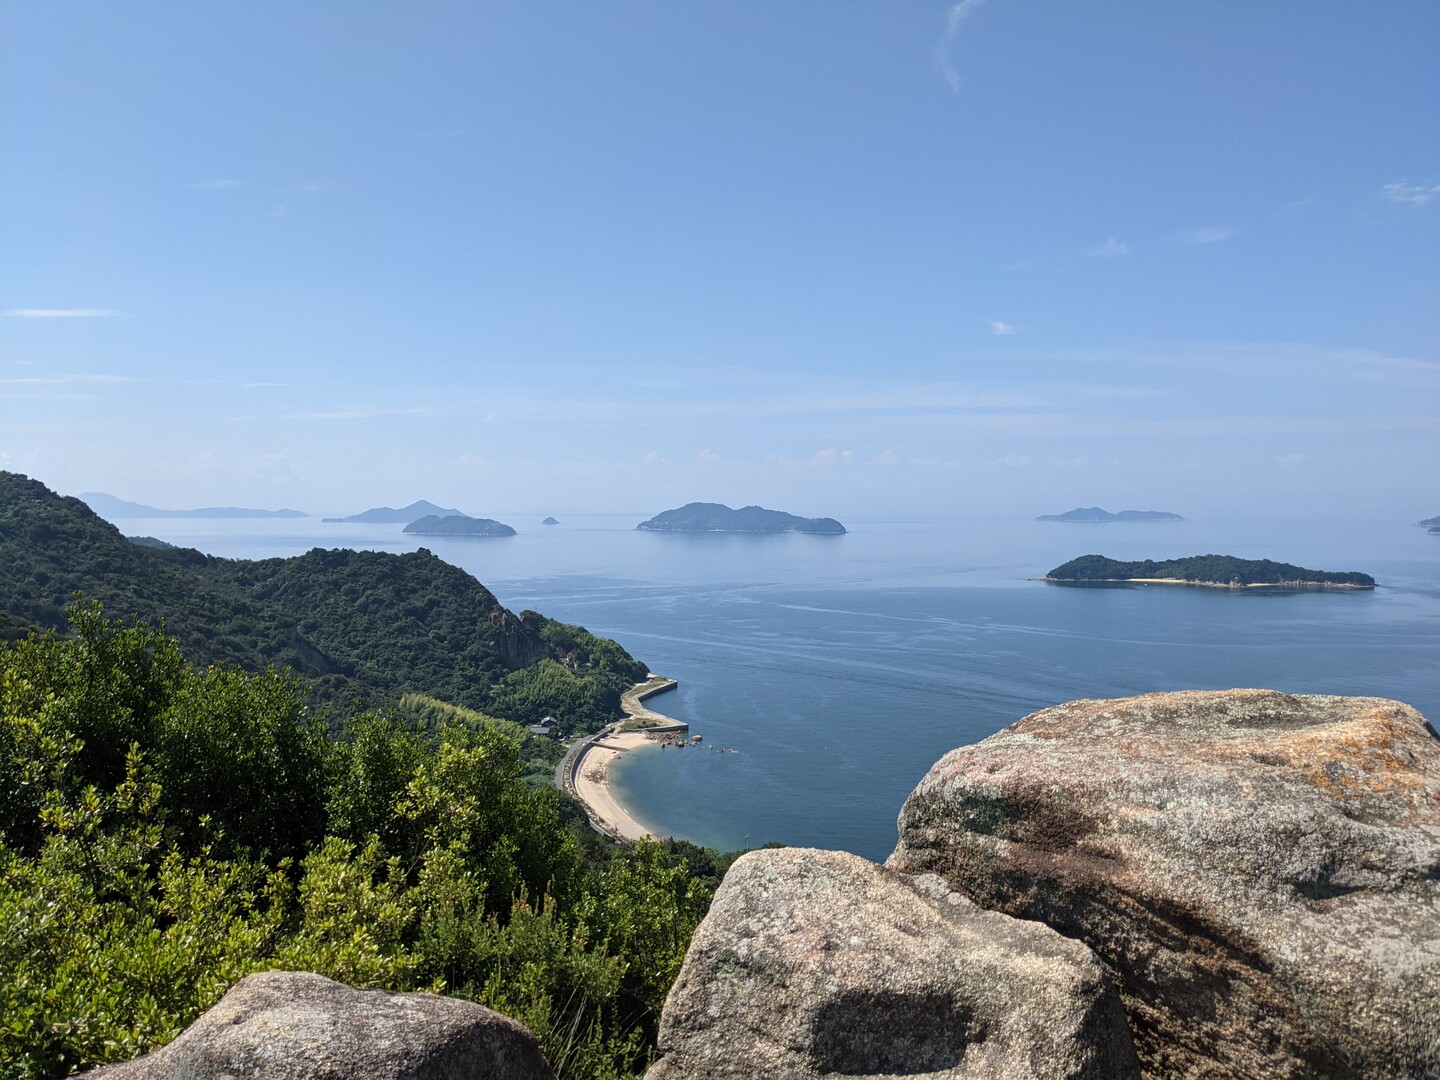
(243, 764)
(582, 650)
(552, 689)
(365, 627)
(166, 829)
(1210, 569)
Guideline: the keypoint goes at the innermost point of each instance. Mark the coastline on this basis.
(1326, 585)
(585, 771)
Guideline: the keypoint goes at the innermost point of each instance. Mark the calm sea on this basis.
(840, 668)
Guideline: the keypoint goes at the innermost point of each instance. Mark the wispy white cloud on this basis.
(1295, 206)
(1210, 234)
(1110, 249)
(1123, 392)
(333, 414)
(958, 14)
(60, 313)
(1290, 459)
(1001, 329)
(1014, 460)
(1408, 194)
(362, 413)
(214, 185)
(59, 380)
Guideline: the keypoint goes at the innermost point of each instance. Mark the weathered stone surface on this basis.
(818, 963)
(285, 1025)
(1262, 872)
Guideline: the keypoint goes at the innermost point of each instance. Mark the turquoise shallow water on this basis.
(842, 668)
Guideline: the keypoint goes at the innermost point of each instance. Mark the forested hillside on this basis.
(165, 829)
(363, 627)
(175, 812)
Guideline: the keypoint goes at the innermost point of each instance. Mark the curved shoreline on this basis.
(584, 772)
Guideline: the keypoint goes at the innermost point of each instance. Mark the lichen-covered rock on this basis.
(818, 963)
(1261, 871)
(285, 1025)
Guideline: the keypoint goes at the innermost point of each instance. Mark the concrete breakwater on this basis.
(584, 771)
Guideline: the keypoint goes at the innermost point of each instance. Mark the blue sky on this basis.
(839, 258)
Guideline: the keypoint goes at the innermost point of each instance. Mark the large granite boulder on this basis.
(286, 1025)
(1260, 871)
(818, 963)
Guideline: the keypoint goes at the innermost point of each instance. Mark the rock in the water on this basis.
(1262, 872)
(818, 963)
(285, 1025)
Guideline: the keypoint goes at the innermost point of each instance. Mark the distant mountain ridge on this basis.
(700, 517)
(1433, 524)
(108, 506)
(457, 525)
(388, 515)
(1095, 515)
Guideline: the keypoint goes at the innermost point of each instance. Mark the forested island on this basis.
(458, 525)
(1225, 571)
(1095, 515)
(312, 763)
(388, 515)
(698, 517)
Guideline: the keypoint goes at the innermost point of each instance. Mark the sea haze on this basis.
(841, 668)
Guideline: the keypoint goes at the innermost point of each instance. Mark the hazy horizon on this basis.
(925, 259)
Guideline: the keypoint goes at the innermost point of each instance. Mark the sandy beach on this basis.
(588, 774)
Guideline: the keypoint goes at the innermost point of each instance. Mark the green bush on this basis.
(166, 830)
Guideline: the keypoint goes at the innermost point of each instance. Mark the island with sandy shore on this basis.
(585, 770)
(1215, 571)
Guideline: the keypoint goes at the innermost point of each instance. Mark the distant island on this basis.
(715, 518)
(1224, 571)
(388, 515)
(108, 506)
(549, 521)
(457, 525)
(1433, 524)
(1093, 514)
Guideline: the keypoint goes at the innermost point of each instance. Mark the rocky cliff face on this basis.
(818, 963)
(1256, 875)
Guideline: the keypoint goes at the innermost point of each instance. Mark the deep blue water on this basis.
(841, 668)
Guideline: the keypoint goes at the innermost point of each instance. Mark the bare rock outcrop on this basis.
(1261, 872)
(285, 1025)
(818, 963)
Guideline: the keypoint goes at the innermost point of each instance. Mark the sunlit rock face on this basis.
(289, 1025)
(818, 963)
(1260, 872)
